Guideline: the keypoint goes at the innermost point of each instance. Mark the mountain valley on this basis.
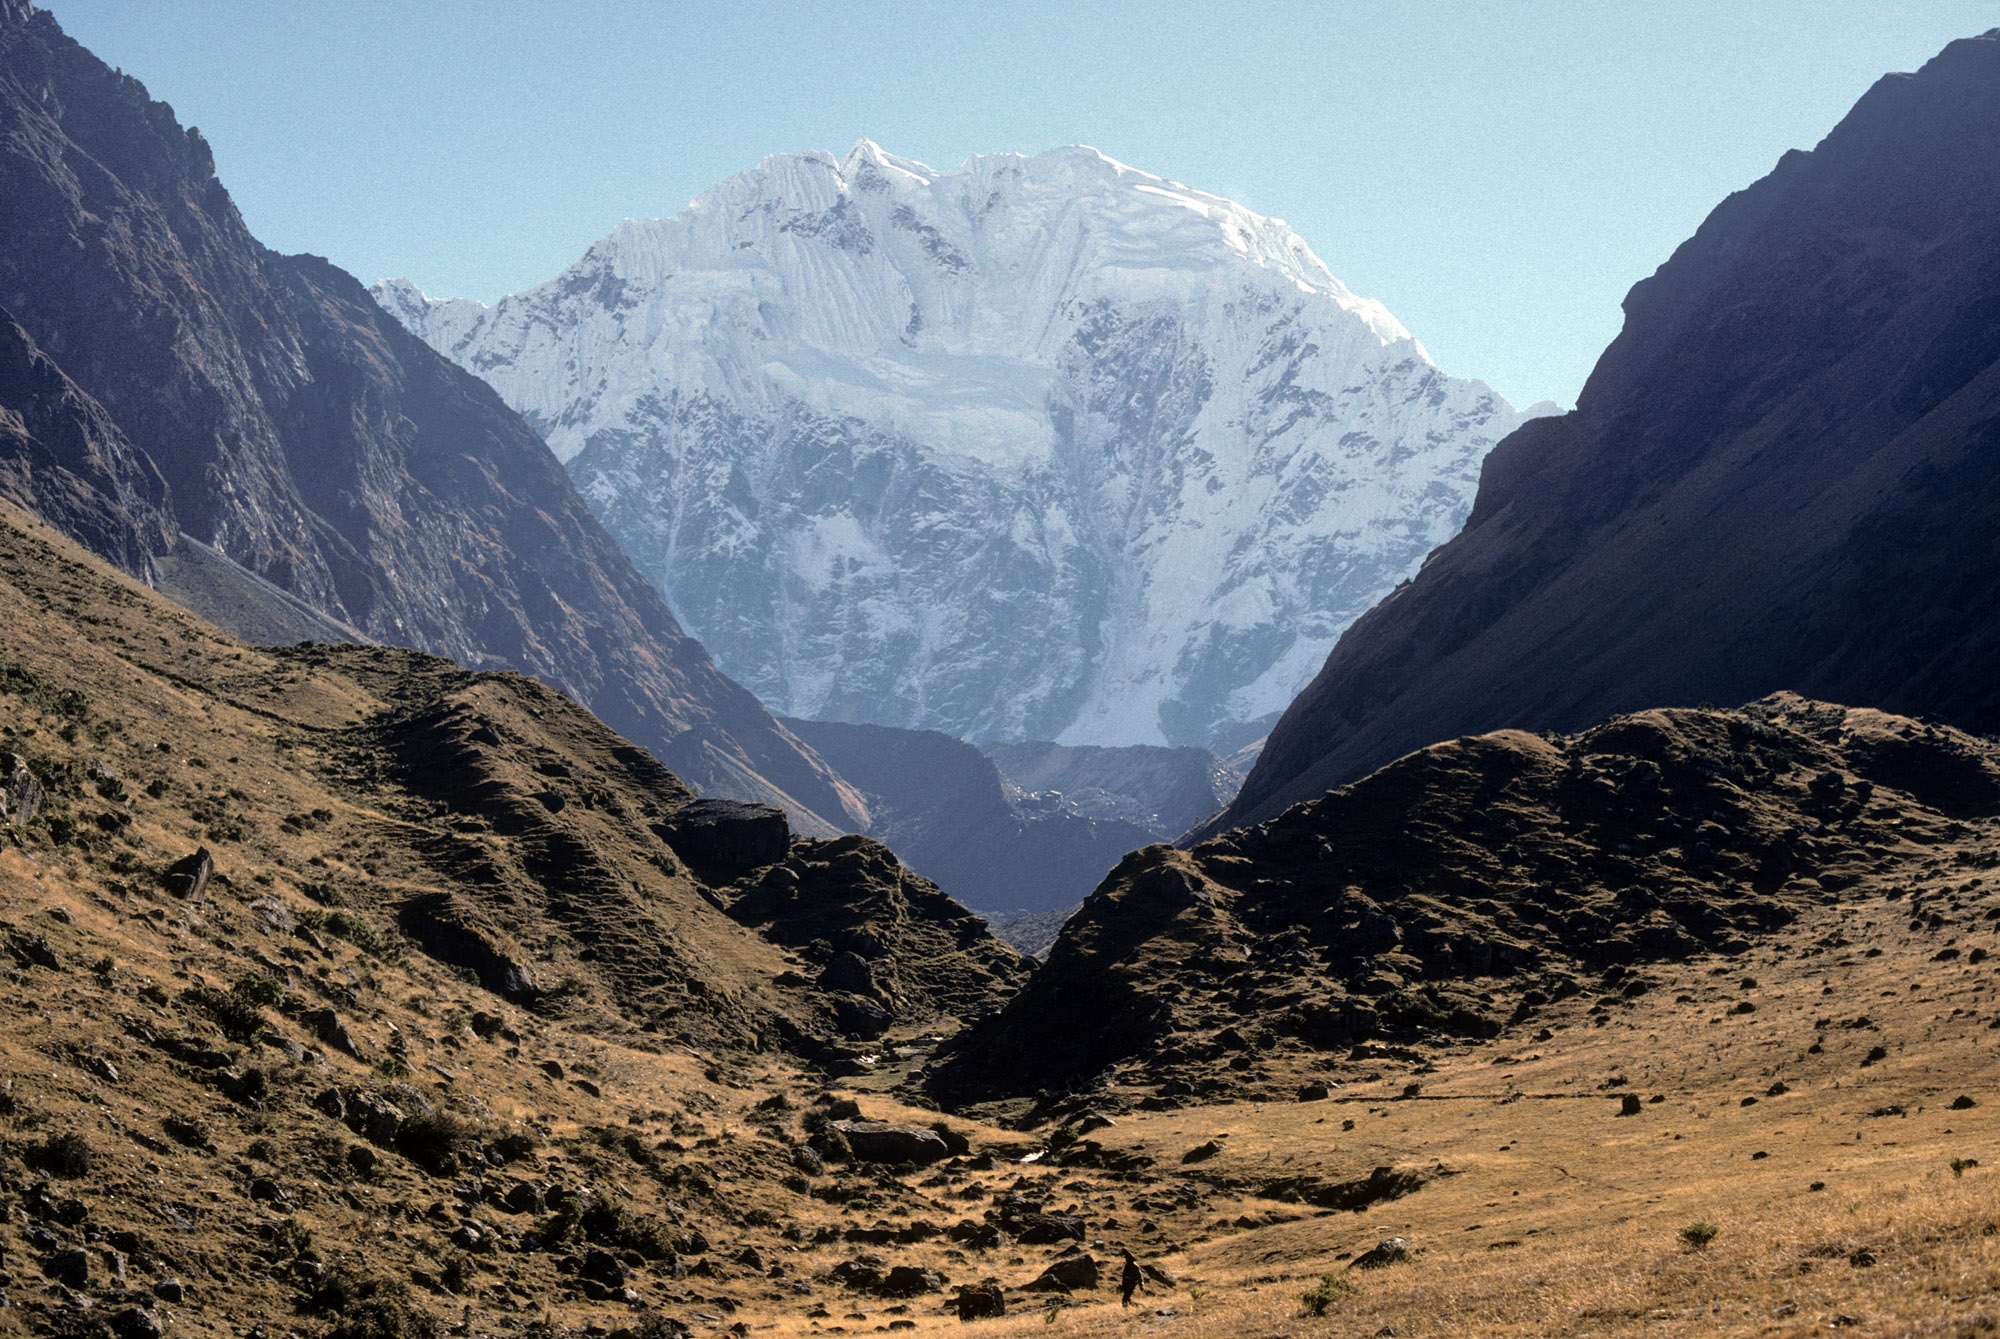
(412, 932)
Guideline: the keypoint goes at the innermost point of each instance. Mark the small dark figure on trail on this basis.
(1129, 1281)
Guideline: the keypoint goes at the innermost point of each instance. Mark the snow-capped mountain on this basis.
(1041, 448)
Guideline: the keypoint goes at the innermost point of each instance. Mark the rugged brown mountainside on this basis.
(1468, 885)
(501, 826)
(1783, 474)
(453, 1038)
(264, 405)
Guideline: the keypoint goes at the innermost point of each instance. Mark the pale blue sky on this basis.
(1497, 173)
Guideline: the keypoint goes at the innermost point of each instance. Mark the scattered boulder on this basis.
(1962, 1103)
(330, 1029)
(956, 1144)
(734, 834)
(1629, 1104)
(69, 1268)
(1201, 1152)
(1070, 1273)
(373, 1118)
(188, 877)
(859, 1016)
(1388, 1251)
(603, 1267)
(896, 1145)
(856, 1274)
(1092, 1121)
(1046, 1229)
(910, 1281)
(849, 972)
(983, 1300)
(136, 1323)
(522, 1197)
(1315, 1091)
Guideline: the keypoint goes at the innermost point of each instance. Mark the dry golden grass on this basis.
(1550, 1214)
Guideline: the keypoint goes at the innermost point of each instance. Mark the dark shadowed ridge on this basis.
(163, 373)
(1784, 473)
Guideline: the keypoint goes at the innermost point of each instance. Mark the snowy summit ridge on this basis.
(1043, 447)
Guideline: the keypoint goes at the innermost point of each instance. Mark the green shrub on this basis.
(356, 931)
(185, 1130)
(38, 692)
(1332, 1288)
(432, 1140)
(370, 1308)
(258, 990)
(1696, 1236)
(288, 1239)
(238, 1018)
(66, 1155)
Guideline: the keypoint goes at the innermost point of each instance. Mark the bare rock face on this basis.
(21, 795)
(162, 372)
(1781, 475)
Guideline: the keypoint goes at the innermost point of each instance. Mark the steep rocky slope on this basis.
(1042, 447)
(946, 810)
(266, 406)
(500, 826)
(1468, 885)
(1782, 474)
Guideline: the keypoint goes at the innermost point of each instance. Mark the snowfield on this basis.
(1041, 448)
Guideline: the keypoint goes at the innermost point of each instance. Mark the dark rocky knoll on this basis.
(944, 807)
(264, 404)
(1461, 887)
(1783, 474)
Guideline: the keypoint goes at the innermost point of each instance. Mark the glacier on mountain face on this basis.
(1041, 448)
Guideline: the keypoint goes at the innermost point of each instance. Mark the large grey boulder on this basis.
(897, 1145)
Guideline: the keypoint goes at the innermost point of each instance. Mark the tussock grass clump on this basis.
(432, 1140)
